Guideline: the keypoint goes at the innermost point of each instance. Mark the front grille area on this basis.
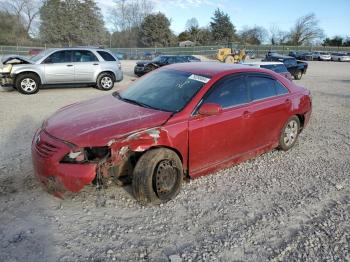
(45, 149)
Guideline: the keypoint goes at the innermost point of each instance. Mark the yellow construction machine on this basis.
(231, 57)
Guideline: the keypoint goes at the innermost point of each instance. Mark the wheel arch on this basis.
(109, 72)
(28, 72)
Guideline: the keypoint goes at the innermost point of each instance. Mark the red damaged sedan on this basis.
(182, 120)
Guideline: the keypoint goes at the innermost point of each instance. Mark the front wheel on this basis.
(27, 83)
(289, 133)
(105, 81)
(157, 176)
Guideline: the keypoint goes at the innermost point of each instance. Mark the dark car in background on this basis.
(144, 67)
(295, 67)
(277, 67)
(301, 55)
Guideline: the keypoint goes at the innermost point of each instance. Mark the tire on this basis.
(157, 176)
(339, 60)
(105, 81)
(289, 133)
(298, 74)
(27, 83)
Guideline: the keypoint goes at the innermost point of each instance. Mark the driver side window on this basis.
(229, 92)
(64, 56)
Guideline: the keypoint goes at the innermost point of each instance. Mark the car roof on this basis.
(282, 56)
(77, 48)
(212, 68)
(263, 63)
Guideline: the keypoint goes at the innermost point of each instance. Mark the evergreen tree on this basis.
(221, 27)
(74, 22)
(155, 31)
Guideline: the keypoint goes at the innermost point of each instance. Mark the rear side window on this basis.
(261, 87)
(229, 92)
(280, 89)
(106, 56)
(84, 56)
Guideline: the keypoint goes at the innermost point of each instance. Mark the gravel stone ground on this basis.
(281, 206)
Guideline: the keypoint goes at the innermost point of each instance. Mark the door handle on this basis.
(287, 102)
(69, 65)
(246, 114)
(95, 64)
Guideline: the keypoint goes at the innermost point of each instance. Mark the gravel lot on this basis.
(285, 206)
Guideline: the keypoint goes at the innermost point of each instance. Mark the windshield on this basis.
(276, 68)
(166, 90)
(159, 59)
(38, 56)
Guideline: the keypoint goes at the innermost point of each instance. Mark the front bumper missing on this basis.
(58, 177)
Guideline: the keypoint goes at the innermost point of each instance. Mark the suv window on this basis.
(106, 56)
(261, 87)
(229, 92)
(83, 56)
(181, 59)
(64, 56)
(290, 62)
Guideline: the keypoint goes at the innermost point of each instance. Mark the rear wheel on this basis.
(289, 133)
(105, 81)
(27, 83)
(298, 74)
(157, 176)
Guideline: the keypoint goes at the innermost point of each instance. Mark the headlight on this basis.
(86, 155)
(75, 156)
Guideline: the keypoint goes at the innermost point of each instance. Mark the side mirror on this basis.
(210, 109)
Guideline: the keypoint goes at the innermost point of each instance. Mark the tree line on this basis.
(134, 23)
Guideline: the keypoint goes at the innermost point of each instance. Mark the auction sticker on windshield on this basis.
(199, 78)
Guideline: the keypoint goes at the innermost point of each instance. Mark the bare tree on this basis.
(255, 35)
(128, 14)
(26, 11)
(277, 36)
(192, 27)
(305, 30)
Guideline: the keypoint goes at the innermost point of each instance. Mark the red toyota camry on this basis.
(183, 120)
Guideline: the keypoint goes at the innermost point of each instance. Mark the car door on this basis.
(269, 110)
(217, 138)
(58, 67)
(85, 64)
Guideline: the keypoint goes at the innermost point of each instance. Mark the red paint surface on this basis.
(204, 143)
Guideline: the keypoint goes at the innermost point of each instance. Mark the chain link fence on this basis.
(145, 53)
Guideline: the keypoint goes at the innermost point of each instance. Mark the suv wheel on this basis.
(105, 81)
(27, 83)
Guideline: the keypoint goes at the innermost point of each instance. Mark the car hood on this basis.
(15, 59)
(96, 122)
(141, 63)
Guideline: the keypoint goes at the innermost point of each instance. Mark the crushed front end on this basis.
(6, 79)
(56, 174)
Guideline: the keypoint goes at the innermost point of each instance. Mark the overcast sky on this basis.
(334, 16)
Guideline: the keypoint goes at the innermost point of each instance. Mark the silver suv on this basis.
(58, 67)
